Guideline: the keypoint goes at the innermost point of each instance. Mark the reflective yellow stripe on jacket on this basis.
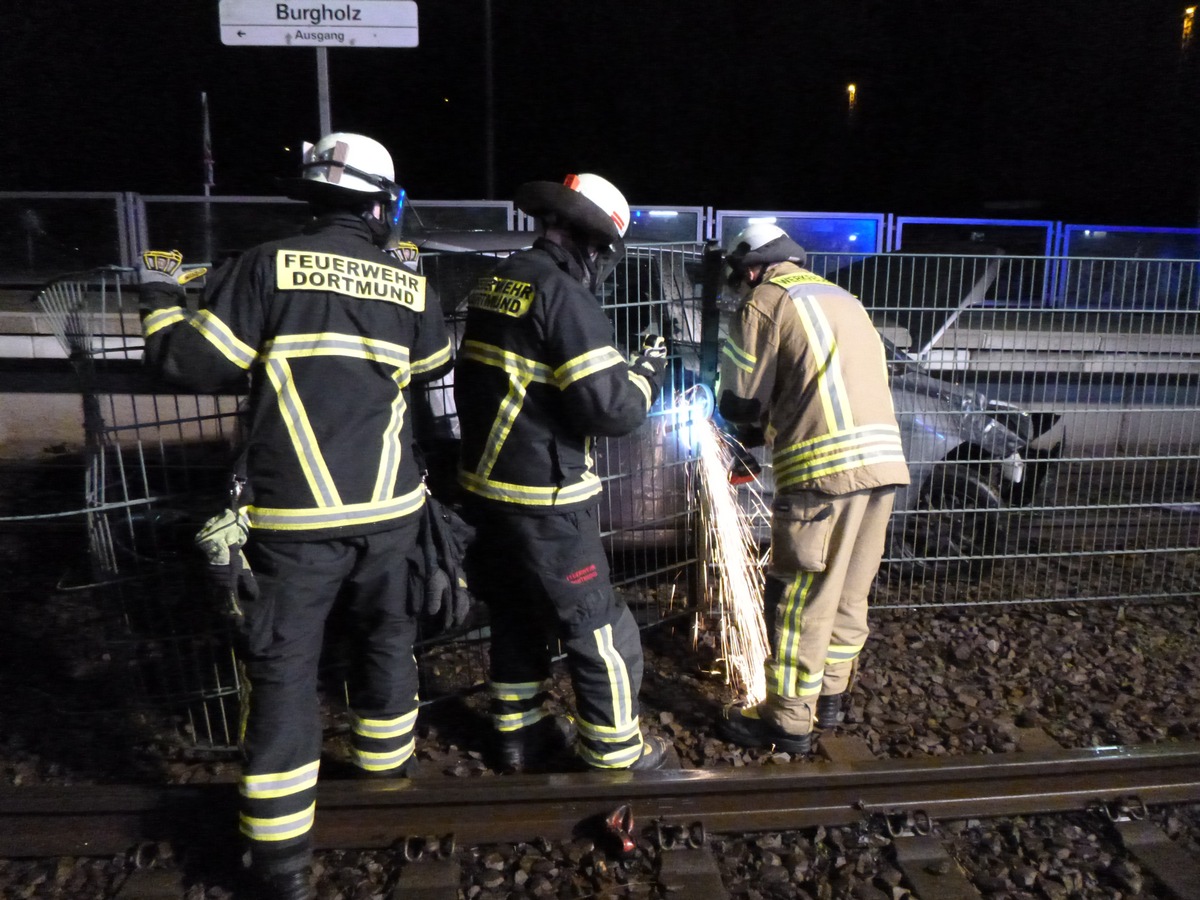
(330, 511)
(838, 452)
(847, 446)
(521, 373)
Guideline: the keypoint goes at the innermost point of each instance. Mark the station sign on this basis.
(313, 23)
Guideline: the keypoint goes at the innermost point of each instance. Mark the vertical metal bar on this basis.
(489, 103)
(712, 263)
(323, 91)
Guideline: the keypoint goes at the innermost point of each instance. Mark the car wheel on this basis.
(955, 529)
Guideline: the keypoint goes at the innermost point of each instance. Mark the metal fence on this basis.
(1048, 408)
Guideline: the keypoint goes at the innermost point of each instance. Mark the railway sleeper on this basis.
(1173, 867)
(929, 868)
(430, 879)
(692, 873)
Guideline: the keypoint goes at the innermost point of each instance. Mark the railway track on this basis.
(846, 787)
(427, 818)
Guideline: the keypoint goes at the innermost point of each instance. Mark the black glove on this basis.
(441, 592)
(651, 363)
(230, 579)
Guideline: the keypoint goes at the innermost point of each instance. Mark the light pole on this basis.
(489, 102)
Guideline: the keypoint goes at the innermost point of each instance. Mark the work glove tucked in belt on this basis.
(439, 589)
(220, 541)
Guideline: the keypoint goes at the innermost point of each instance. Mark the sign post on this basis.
(320, 25)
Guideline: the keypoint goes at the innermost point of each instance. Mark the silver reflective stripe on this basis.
(279, 784)
(218, 334)
(278, 828)
(587, 364)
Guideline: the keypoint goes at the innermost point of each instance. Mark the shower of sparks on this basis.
(731, 578)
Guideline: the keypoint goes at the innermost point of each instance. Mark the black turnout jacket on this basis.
(331, 332)
(537, 378)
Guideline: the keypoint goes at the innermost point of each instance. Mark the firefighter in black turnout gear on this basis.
(331, 331)
(537, 379)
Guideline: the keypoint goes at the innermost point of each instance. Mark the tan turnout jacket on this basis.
(808, 353)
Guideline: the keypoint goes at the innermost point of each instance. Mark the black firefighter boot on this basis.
(544, 744)
(287, 886)
(829, 710)
(287, 877)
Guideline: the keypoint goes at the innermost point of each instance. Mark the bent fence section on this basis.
(1048, 408)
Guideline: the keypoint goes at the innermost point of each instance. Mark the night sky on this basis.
(1054, 109)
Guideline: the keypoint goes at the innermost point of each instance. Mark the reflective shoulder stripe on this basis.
(220, 336)
(587, 364)
(162, 318)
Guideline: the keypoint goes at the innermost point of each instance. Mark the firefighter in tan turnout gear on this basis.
(537, 379)
(805, 369)
(331, 331)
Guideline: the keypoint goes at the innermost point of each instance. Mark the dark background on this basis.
(1054, 109)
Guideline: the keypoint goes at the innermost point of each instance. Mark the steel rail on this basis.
(82, 820)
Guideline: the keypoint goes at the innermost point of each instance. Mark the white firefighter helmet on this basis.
(342, 163)
(762, 243)
(585, 201)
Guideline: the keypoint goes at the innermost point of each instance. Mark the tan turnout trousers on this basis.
(825, 552)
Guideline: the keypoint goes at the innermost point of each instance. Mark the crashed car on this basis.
(973, 461)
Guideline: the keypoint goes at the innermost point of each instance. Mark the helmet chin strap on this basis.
(380, 230)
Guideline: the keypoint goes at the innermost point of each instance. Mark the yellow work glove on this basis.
(166, 267)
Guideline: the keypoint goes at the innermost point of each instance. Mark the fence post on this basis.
(710, 314)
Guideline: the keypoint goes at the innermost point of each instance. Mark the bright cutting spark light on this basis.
(731, 578)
